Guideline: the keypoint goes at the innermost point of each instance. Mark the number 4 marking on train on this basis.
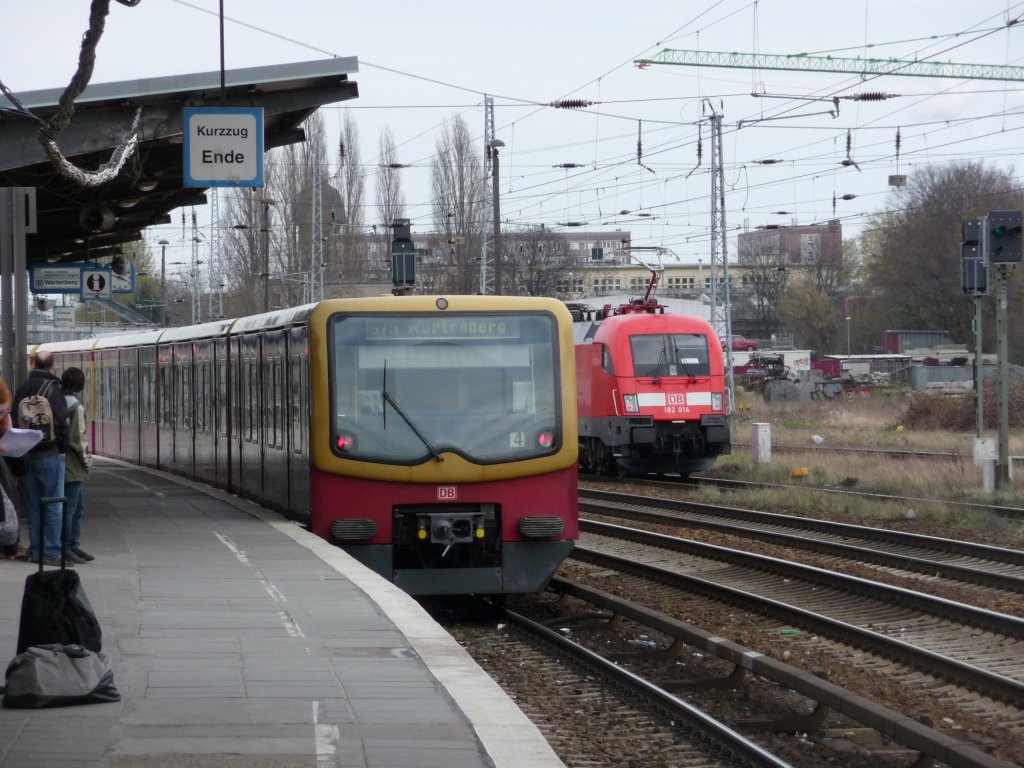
(516, 439)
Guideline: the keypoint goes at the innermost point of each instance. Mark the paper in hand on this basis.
(18, 442)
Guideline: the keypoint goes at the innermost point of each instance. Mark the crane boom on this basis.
(856, 66)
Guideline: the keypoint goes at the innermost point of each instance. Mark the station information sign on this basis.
(223, 146)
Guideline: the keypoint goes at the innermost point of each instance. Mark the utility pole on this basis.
(164, 313)
(17, 218)
(721, 308)
(316, 238)
(496, 200)
(489, 190)
(195, 283)
(265, 229)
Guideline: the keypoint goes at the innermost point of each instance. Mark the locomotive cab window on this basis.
(677, 354)
(407, 388)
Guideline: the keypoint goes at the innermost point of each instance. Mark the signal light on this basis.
(346, 443)
(1004, 237)
(546, 439)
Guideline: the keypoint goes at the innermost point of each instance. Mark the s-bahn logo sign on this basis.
(223, 146)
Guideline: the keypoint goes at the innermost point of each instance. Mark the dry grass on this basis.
(872, 422)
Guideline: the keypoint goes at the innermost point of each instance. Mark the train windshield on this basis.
(670, 354)
(408, 388)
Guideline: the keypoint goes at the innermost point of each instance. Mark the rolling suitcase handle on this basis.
(63, 529)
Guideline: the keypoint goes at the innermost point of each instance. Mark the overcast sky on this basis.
(422, 63)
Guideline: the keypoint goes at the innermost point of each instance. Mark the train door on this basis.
(273, 432)
(165, 407)
(148, 412)
(205, 408)
(233, 410)
(250, 408)
(222, 405)
(110, 403)
(184, 399)
(128, 434)
(297, 391)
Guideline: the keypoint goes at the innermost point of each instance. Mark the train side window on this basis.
(296, 389)
(110, 394)
(266, 434)
(203, 395)
(607, 365)
(166, 395)
(222, 397)
(185, 402)
(146, 394)
(250, 400)
(279, 403)
(128, 384)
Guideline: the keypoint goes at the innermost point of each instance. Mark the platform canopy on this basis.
(150, 185)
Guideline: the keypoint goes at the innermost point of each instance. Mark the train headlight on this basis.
(631, 403)
(716, 401)
(346, 443)
(546, 438)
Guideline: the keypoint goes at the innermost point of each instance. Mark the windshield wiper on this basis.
(680, 361)
(391, 401)
(386, 397)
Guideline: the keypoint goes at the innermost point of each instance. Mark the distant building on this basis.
(786, 247)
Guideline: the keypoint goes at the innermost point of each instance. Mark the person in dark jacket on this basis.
(44, 464)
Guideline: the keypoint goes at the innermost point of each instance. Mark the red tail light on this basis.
(546, 439)
(346, 443)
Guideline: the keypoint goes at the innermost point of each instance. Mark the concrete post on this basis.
(761, 448)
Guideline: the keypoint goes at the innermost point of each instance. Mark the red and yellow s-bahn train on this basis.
(431, 437)
(651, 391)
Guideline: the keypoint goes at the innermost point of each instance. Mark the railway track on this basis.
(945, 657)
(1002, 511)
(592, 711)
(993, 567)
(600, 701)
(921, 631)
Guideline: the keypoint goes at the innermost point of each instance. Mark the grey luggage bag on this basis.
(59, 676)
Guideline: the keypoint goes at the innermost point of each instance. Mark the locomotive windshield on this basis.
(408, 388)
(670, 354)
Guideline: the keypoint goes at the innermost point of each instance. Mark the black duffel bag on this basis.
(59, 676)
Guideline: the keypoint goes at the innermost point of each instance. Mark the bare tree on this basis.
(912, 260)
(536, 261)
(457, 184)
(348, 260)
(294, 261)
(390, 200)
(247, 240)
(812, 316)
(767, 275)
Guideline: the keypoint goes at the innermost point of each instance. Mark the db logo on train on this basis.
(447, 493)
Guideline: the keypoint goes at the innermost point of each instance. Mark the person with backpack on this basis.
(77, 463)
(39, 404)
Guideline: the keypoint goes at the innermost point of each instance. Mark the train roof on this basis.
(114, 340)
(279, 318)
(72, 345)
(584, 331)
(191, 332)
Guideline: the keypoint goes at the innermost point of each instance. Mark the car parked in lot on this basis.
(739, 343)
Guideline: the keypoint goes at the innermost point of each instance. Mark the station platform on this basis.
(240, 640)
